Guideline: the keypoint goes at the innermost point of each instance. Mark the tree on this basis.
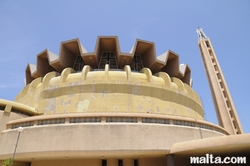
(6, 162)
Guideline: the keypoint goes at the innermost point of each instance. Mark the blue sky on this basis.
(28, 27)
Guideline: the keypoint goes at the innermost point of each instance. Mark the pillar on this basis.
(170, 160)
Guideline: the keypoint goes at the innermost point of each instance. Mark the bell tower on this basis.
(224, 106)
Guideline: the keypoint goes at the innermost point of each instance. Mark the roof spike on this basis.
(200, 33)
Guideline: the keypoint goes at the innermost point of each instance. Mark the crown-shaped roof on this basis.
(167, 62)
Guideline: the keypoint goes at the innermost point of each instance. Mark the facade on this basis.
(109, 108)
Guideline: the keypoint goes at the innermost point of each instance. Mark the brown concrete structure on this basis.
(224, 106)
(109, 108)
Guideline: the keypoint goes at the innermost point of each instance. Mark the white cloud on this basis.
(14, 85)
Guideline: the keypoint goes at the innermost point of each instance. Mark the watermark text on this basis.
(210, 159)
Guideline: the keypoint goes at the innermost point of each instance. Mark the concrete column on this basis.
(170, 160)
(67, 120)
(128, 162)
(103, 119)
(171, 121)
(112, 162)
(139, 120)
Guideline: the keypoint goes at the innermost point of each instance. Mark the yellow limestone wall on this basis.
(111, 91)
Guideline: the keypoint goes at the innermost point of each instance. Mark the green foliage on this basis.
(6, 162)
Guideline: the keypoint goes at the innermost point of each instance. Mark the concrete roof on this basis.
(223, 145)
(48, 61)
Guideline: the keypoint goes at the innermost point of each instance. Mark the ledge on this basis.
(120, 118)
(10, 106)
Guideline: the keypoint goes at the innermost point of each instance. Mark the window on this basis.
(120, 163)
(211, 54)
(184, 123)
(51, 121)
(136, 64)
(104, 162)
(108, 57)
(85, 120)
(205, 126)
(2, 108)
(24, 124)
(215, 68)
(154, 120)
(228, 104)
(121, 119)
(20, 112)
(136, 163)
(213, 60)
(78, 64)
(230, 113)
(208, 45)
(224, 93)
(222, 85)
(218, 76)
(234, 124)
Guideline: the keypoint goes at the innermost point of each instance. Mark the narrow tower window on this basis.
(215, 68)
(208, 45)
(224, 93)
(230, 112)
(218, 76)
(221, 85)
(228, 104)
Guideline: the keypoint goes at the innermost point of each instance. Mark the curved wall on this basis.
(124, 91)
(5, 117)
(96, 140)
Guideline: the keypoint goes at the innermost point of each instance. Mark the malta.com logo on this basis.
(210, 159)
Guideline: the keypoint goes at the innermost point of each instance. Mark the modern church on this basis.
(110, 108)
